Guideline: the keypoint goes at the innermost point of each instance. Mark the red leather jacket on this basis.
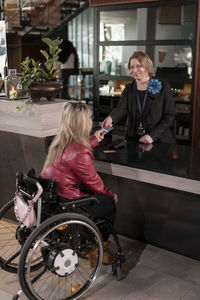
(76, 167)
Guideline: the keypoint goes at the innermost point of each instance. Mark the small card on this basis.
(107, 129)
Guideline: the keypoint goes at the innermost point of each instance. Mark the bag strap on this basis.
(31, 201)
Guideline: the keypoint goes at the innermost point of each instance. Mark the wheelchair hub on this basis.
(63, 262)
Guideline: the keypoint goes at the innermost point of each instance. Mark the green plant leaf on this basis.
(33, 72)
(46, 55)
(47, 41)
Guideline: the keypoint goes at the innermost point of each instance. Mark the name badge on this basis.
(140, 130)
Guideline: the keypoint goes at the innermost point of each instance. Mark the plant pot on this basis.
(48, 90)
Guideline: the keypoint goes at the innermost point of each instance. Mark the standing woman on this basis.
(70, 162)
(147, 102)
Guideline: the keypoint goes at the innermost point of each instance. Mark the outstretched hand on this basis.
(107, 122)
(99, 135)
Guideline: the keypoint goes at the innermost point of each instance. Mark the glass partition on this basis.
(175, 22)
(80, 33)
(118, 25)
(114, 59)
(159, 23)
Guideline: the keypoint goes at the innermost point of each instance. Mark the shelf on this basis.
(182, 137)
(109, 98)
(115, 77)
(183, 117)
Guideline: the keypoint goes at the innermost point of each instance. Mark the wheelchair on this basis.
(52, 257)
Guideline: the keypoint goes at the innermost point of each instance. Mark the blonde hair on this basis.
(145, 61)
(74, 126)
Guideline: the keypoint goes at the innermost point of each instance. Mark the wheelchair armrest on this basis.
(80, 202)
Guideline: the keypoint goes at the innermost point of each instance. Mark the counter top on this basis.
(36, 119)
(173, 166)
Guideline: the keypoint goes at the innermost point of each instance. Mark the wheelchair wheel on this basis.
(64, 241)
(12, 238)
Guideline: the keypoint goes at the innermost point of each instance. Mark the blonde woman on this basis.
(147, 103)
(70, 162)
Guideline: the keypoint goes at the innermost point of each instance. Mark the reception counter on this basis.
(158, 188)
(173, 166)
(158, 191)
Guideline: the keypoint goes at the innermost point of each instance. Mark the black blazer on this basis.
(161, 112)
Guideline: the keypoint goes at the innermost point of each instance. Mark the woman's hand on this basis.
(115, 197)
(99, 135)
(145, 147)
(107, 122)
(146, 139)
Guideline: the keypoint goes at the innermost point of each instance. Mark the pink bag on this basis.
(24, 211)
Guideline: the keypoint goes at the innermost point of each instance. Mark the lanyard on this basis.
(144, 102)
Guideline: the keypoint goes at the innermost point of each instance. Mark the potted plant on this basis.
(39, 80)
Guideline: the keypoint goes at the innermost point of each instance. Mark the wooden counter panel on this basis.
(37, 119)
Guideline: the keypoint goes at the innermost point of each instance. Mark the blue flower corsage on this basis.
(154, 86)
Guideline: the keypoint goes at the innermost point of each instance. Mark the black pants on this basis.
(106, 210)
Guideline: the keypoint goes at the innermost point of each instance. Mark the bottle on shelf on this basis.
(111, 86)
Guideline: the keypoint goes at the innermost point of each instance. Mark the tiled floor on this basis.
(150, 273)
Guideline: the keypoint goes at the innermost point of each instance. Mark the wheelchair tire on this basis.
(12, 238)
(64, 241)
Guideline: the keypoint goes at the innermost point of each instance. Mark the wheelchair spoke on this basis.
(39, 275)
(9, 245)
(16, 254)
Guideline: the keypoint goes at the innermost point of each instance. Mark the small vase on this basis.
(11, 84)
(48, 90)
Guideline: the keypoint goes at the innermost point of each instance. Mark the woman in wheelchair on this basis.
(70, 162)
(60, 256)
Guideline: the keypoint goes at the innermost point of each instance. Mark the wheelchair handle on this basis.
(23, 177)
